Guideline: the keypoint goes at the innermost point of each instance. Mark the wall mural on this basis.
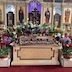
(20, 15)
(47, 16)
(1, 14)
(67, 15)
(68, 1)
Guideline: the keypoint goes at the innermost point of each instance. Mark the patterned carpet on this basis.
(36, 69)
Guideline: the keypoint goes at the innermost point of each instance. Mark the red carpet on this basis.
(36, 69)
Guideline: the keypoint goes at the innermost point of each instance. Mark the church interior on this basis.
(35, 32)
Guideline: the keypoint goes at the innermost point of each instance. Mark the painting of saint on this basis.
(21, 15)
(47, 16)
(67, 15)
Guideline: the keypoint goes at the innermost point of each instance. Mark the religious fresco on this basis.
(1, 14)
(47, 15)
(20, 15)
(67, 16)
(68, 1)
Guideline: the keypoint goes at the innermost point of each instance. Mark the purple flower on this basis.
(65, 39)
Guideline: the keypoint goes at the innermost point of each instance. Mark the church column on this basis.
(26, 12)
(71, 21)
(15, 17)
(61, 15)
(41, 14)
(52, 15)
(5, 16)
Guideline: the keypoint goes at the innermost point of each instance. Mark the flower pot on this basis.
(4, 56)
(67, 57)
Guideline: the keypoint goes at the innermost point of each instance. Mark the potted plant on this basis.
(4, 50)
(67, 53)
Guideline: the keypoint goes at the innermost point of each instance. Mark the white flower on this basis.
(59, 34)
(25, 23)
(23, 26)
(5, 27)
(34, 25)
(14, 33)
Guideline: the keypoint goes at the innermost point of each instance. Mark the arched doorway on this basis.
(10, 12)
(34, 12)
(57, 16)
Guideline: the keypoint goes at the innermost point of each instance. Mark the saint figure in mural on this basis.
(67, 14)
(21, 15)
(47, 16)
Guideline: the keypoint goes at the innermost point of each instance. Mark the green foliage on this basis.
(6, 31)
(4, 51)
(18, 30)
(11, 35)
(67, 51)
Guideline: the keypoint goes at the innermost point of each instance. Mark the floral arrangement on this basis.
(8, 36)
(30, 29)
(58, 30)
